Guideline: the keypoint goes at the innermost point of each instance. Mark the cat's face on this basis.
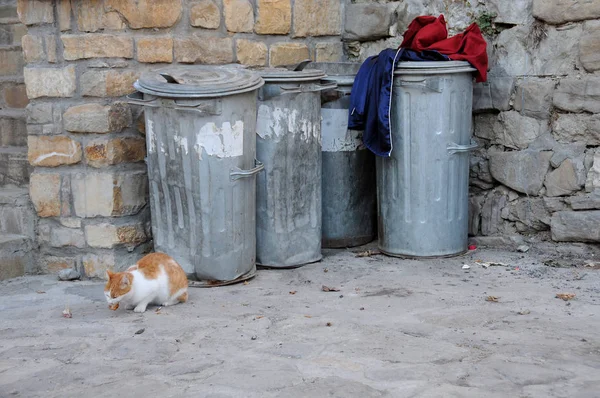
(117, 287)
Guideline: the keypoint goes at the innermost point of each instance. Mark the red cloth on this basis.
(429, 33)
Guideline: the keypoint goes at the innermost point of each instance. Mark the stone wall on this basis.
(14, 169)
(538, 120)
(535, 117)
(17, 219)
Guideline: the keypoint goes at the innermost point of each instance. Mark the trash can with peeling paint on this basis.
(423, 187)
(201, 151)
(349, 178)
(288, 220)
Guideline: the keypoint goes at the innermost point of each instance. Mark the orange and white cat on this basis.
(155, 279)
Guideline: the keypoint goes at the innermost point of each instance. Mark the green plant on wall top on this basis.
(485, 20)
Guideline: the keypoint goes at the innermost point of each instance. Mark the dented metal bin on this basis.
(201, 144)
(423, 186)
(349, 178)
(288, 218)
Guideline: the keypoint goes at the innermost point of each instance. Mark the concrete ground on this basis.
(396, 328)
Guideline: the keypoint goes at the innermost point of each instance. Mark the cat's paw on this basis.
(140, 309)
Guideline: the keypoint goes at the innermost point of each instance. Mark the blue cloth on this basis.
(371, 97)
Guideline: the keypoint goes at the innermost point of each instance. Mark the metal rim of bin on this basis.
(273, 75)
(438, 67)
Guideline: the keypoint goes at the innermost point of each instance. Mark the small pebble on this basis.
(68, 274)
(254, 337)
(523, 248)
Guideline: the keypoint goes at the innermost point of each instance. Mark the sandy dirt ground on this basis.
(395, 328)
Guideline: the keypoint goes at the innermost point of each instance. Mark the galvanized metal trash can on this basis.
(201, 151)
(349, 192)
(423, 186)
(288, 217)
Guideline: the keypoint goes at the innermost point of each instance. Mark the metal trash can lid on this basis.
(198, 81)
(434, 67)
(286, 75)
(337, 68)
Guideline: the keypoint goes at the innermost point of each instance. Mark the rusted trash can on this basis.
(349, 182)
(201, 145)
(423, 187)
(288, 218)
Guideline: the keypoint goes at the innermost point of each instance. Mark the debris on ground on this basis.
(565, 296)
(67, 312)
(258, 317)
(326, 270)
(362, 308)
(523, 248)
(329, 289)
(592, 264)
(368, 253)
(487, 264)
(307, 316)
(41, 292)
(472, 247)
(254, 337)
(492, 299)
(577, 276)
(293, 292)
(68, 274)
(246, 283)
(157, 311)
(466, 266)
(524, 312)
(329, 324)
(556, 263)
(140, 331)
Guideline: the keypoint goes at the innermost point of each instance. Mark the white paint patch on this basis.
(224, 142)
(151, 136)
(59, 154)
(182, 143)
(335, 133)
(275, 122)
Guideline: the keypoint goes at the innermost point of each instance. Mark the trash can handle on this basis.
(425, 84)
(236, 175)
(296, 67)
(455, 148)
(169, 78)
(343, 91)
(137, 99)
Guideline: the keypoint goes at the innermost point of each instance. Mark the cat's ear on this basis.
(109, 274)
(125, 282)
